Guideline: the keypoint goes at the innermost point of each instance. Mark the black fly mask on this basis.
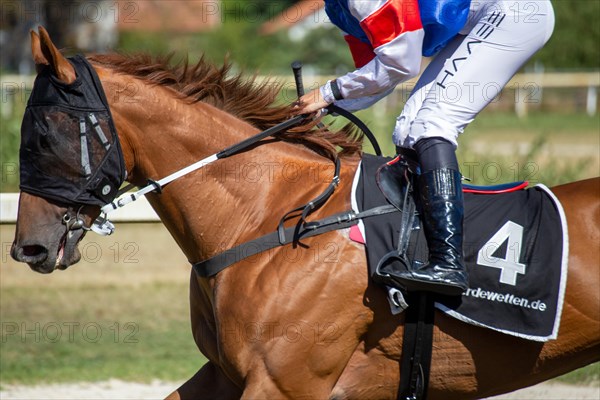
(70, 151)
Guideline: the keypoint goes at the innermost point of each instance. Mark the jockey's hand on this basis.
(309, 103)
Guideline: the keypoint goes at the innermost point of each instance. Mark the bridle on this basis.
(98, 182)
(75, 222)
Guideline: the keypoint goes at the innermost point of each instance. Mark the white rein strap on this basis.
(103, 226)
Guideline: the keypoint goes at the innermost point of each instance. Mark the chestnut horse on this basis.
(293, 322)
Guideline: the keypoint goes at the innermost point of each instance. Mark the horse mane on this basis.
(234, 94)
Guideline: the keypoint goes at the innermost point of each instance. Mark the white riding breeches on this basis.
(498, 38)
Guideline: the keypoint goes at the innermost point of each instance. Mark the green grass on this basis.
(10, 139)
(130, 333)
(589, 375)
(96, 333)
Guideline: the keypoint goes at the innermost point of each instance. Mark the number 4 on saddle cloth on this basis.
(515, 247)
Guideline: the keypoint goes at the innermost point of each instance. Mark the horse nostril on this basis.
(30, 254)
(33, 251)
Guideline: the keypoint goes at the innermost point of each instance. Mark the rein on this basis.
(104, 227)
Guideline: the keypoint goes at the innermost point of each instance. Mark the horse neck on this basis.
(221, 205)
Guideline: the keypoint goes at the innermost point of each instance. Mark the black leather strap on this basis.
(332, 108)
(415, 363)
(219, 262)
(216, 264)
(245, 144)
(335, 90)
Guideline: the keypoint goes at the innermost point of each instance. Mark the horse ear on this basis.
(36, 51)
(50, 54)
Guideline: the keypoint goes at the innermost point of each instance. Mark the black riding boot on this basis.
(440, 194)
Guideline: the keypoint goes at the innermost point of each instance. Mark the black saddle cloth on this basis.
(514, 248)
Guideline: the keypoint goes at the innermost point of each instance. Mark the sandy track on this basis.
(111, 389)
(116, 389)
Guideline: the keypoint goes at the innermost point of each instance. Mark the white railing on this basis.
(527, 87)
(140, 211)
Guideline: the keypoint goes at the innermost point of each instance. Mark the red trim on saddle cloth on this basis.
(393, 161)
(392, 20)
(497, 189)
(492, 189)
(361, 52)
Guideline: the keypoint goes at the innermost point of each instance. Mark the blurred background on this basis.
(544, 127)
(543, 113)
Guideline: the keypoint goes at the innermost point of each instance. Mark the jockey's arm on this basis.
(394, 56)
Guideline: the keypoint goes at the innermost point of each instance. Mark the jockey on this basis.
(477, 46)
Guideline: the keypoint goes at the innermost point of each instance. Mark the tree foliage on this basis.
(575, 43)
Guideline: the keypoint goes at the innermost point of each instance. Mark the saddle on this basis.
(515, 247)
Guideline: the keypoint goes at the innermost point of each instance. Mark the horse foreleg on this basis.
(208, 383)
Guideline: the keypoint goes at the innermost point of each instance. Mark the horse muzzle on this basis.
(44, 258)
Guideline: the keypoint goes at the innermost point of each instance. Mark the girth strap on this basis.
(293, 234)
(417, 346)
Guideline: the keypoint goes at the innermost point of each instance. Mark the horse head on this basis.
(63, 164)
